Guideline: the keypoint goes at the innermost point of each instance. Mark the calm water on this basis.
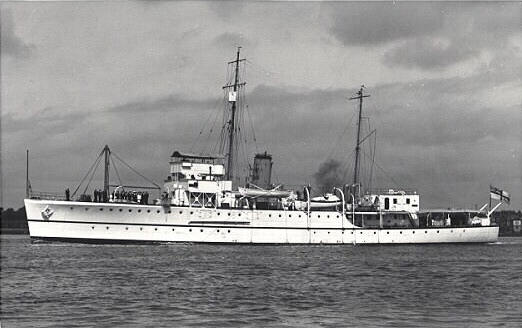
(173, 285)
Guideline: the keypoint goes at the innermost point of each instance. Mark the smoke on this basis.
(329, 175)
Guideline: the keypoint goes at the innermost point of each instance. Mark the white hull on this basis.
(112, 222)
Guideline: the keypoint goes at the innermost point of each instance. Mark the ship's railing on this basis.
(392, 191)
(47, 195)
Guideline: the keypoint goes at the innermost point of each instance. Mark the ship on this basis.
(202, 202)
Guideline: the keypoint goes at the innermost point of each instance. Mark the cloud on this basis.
(230, 40)
(366, 24)
(429, 53)
(226, 9)
(12, 45)
(424, 35)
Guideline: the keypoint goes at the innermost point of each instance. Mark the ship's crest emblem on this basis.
(47, 212)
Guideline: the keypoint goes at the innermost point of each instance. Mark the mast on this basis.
(27, 174)
(360, 96)
(232, 123)
(107, 153)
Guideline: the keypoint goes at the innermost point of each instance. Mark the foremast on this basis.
(232, 98)
(360, 95)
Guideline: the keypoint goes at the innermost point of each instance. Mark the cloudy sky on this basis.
(146, 77)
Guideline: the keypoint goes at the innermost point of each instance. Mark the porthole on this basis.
(228, 214)
(72, 208)
(107, 228)
(352, 232)
(400, 232)
(155, 229)
(130, 211)
(337, 216)
(201, 230)
(121, 209)
(239, 214)
(86, 209)
(314, 232)
(361, 232)
(387, 232)
(451, 230)
(190, 230)
(181, 212)
(318, 216)
(126, 228)
(139, 211)
(228, 231)
(172, 229)
(342, 232)
(92, 227)
(269, 215)
(191, 213)
(299, 215)
(328, 216)
(101, 209)
(169, 211)
(157, 211)
(148, 211)
(437, 231)
(464, 230)
(217, 230)
(289, 215)
(375, 232)
(328, 232)
(279, 215)
(110, 209)
(426, 231)
(141, 228)
(219, 213)
(413, 231)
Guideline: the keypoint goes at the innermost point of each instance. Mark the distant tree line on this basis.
(13, 221)
(504, 220)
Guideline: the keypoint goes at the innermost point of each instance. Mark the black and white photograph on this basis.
(260, 164)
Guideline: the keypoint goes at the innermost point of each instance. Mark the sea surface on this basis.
(184, 285)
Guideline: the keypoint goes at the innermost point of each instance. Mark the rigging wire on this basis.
(87, 174)
(92, 175)
(203, 126)
(133, 170)
(116, 170)
(336, 144)
(385, 173)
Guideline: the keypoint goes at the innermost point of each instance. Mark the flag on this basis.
(499, 194)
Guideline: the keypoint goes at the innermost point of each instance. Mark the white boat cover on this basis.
(249, 192)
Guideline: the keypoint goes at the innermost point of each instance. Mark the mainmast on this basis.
(360, 95)
(232, 98)
(107, 153)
